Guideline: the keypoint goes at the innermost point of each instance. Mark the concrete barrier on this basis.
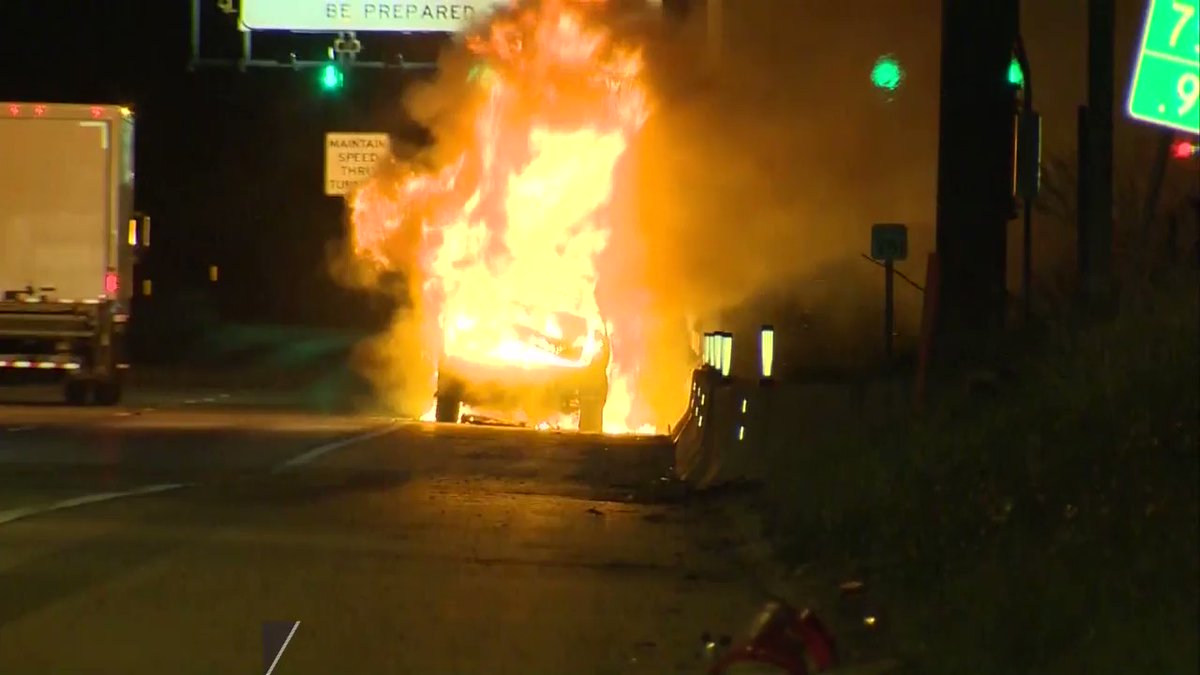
(737, 429)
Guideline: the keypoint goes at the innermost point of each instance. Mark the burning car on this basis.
(502, 224)
(562, 371)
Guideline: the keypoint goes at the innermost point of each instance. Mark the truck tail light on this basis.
(112, 283)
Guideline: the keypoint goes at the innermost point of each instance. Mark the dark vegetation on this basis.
(1045, 524)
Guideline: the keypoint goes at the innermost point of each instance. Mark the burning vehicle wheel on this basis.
(591, 415)
(593, 394)
(449, 400)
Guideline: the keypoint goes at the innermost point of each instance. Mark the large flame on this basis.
(502, 239)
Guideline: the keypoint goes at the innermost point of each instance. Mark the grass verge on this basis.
(1051, 528)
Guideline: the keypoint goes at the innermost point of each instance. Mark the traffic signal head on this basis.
(331, 77)
(1016, 74)
(887, 73)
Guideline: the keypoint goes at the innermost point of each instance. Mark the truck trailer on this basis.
(68, 239)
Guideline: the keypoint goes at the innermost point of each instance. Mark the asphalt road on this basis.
(160, 536)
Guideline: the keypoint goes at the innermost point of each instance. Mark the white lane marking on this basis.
(9, 516)
(285, 644)
(27, 427)
(310, 455)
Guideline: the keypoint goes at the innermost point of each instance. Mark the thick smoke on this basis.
(756, 178)
(749, 195)
(759, 177)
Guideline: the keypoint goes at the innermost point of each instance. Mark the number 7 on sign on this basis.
(1186, 12)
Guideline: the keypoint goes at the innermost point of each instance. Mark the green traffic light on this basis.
(331, 77)
(1016, 76)
(887, 73)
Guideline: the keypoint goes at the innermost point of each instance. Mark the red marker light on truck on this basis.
(14, 110)
(39, 110)
(111, 283)
(97, 111)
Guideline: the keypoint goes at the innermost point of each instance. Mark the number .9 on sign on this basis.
(1188, 88)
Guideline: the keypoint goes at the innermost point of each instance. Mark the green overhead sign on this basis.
(1166, 81)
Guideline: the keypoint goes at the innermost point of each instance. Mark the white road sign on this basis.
(350, 158)
(416, 16)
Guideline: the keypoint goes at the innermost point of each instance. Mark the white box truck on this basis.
(68, 238)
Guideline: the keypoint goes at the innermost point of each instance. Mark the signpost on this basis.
(1166, 81)
(889, 243)
(400, 16)
(350, 158)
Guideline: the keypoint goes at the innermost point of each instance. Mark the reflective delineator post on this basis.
(766, 384)
(726, 353)
(766, 352)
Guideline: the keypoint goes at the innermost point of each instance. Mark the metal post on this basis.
(929, 310)
(888, 310)
(1083, 202)
(716, 26)
(247, 54)
(195, 35)
(1027, 260)
(1027, 221)
(1101, 22)
(974, 183)
(1162, 155)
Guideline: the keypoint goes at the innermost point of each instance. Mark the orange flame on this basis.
(502, 240)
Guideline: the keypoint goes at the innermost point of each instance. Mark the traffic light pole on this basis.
(1027, 200)
(1096, 221)
(715, 25)
(889, 321)
(1162, 155)
(975, 164)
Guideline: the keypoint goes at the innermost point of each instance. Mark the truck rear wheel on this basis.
(108, 393)
(77, 392)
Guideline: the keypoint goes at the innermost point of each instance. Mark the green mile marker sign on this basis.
(1166, 81)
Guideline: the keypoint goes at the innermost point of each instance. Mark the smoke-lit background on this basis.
(759, 182)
